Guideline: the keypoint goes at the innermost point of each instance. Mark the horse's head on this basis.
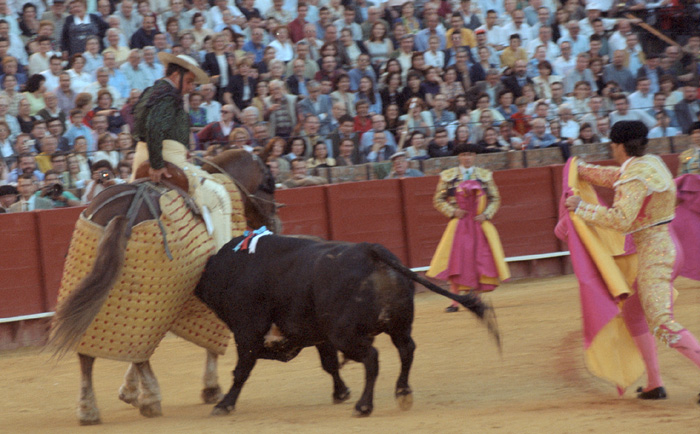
(256, 184)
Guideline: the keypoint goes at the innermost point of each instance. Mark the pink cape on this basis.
(687, 224)
(598, 307)
(470, 256)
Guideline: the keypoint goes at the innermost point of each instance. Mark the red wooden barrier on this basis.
(304, 211)
(368, 211)
(56, 227)
(528, 212)
(424, 225)
(21, 284)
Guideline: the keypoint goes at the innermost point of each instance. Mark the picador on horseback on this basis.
(162, 128)
(139, 249)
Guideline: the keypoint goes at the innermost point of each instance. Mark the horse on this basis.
(100, 278)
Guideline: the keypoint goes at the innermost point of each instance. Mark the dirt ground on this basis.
(461, 384)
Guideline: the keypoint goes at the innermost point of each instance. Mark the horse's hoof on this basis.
(151, 410)
(211, 395)
(341, 397)
(130, 397)
(362, 411)
(220, 411)
(88, 422)
(404, 398)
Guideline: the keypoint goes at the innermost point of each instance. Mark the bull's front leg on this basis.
(211, 392)
(329, 361)
(129, 391)
(88, 413)
(246, 362)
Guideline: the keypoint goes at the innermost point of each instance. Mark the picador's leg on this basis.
(88, 413)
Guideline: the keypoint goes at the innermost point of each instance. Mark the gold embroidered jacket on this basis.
(444, 198)
(645, 195)
(689, 161)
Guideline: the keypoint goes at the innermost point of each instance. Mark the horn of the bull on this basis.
(477, 306)
(75, 314)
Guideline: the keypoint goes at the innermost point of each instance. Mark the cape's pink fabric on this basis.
(597, 305)
(687, 224)
(470, 257)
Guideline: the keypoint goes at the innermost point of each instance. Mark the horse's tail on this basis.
(75, 314)
(477, 306)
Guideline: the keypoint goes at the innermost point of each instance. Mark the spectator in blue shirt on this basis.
(538, 137)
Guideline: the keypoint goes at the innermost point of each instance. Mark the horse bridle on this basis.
(253, 198)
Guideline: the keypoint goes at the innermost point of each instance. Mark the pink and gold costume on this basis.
(645, 197)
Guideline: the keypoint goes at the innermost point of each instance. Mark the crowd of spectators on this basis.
(327, 83)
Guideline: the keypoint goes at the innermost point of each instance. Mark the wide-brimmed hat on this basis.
(200, 77)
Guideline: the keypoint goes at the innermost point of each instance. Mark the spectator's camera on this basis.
(104, 176)
(53, 190)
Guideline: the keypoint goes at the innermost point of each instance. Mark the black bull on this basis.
(332, 295)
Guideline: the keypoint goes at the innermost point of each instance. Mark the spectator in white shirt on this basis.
(51, 74)
(623, 113)
(642, 98)
(663, 127)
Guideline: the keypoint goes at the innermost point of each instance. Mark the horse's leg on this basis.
(329, 361)
(149, 399)
(88, 413)
(211, 392)
(129, 391)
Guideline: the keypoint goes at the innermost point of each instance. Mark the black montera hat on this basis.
(466, 147)
(626, 131)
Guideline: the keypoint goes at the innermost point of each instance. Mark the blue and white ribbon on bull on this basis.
(250, 240)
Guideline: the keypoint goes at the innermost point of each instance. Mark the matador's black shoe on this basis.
(658, 393)
(450, 309)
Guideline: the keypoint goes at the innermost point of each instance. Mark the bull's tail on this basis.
(75, 314)
(480, 308)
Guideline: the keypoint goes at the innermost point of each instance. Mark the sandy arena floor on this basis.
(461, 384)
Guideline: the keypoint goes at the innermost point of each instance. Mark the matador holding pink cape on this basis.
(469, 255)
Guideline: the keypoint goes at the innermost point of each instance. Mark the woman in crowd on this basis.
(413, 88)
(320, 157)
(596, 67)
(392, 65)
(543, 82)
(172, 31)
(450, 87)
(363, 121)
(198, 114)
(579, 102)
(379, 46)
(667, 86)
(258, 101)
(284, 50)
(241, 87)
(9, 86)
(431, 85)
(417, 148)
(92, 55)
(296, 146)
(489, 141)
(76, 178)
(416, 118)
(106, 151)
(505, 104)
(367, 93)
(392, 116)
(461, 136)
(189, 47)
(586, 135)
(198, 31)
(79, 78)
(34, 93)
(239, 139)
(6, 150)
(342, 93)
(391, 93)
(352, 48)
(274, 149)
(29, 22)
(407, 18)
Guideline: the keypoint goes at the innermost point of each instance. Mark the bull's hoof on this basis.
(151, 410)
(211, 395)
(88, 422)
(362, 410)
(221, 411)
(404, 397)
(130, 396)
(341, 397)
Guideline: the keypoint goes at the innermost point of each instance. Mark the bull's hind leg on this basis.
(368, 356)
(149, 398)
(246, 363)
(404, 343)
(211, 392)
(329, 361)
(88, 413)
(129, 391)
